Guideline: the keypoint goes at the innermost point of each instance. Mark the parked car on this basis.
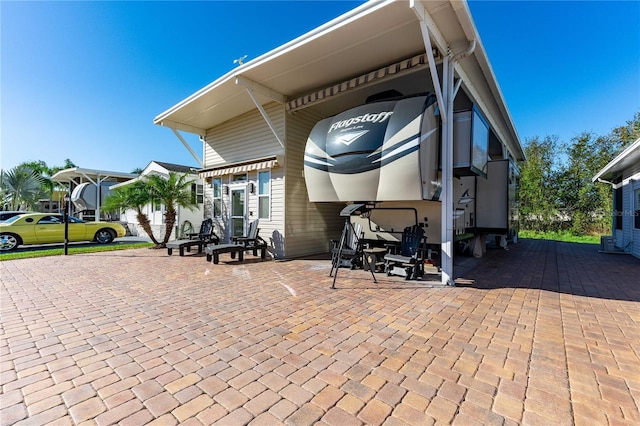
(6, 215)
(43, 228)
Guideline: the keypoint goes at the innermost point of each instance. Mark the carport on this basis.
(381, 45)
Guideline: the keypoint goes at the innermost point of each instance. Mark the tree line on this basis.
(556, 191)
(22, 186)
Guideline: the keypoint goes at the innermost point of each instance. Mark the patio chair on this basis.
(205, 236)
(252, 241)
(206, 233)
(407, 260)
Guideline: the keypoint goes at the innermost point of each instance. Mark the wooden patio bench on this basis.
(184, 244)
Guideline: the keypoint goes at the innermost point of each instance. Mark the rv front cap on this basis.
(366, 118)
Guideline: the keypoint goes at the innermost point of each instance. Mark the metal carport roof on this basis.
(373, 35)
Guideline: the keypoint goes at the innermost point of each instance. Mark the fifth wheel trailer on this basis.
(386, 154)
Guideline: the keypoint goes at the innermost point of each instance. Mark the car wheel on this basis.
(104, 236)
(9, 242)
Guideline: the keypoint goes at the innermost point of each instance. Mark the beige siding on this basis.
(296, 227)
(309, 226)
(628, 238)
(270, 229)
(245, 138)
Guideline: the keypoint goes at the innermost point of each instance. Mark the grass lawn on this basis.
(560, 236)
(75, 249)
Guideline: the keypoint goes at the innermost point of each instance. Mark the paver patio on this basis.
(545, 333)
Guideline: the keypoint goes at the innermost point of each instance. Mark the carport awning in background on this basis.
(242, 167)
(393, 69)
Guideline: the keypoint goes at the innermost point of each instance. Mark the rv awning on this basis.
(242, 167)
(394, 69)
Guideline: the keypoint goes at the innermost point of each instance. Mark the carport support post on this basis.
(446, 248)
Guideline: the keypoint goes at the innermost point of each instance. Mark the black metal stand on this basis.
(67, 200)
(336, 257)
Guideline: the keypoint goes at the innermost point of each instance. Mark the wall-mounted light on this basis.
(225, 189)
(252, 188)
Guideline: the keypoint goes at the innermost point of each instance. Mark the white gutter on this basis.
(613, 163)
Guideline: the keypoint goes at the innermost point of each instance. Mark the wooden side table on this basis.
(374, 259)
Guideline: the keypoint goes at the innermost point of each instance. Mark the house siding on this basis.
(309, 226)
(244, 138)
(628, 238)
(631, 235)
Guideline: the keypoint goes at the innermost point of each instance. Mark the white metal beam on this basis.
(184, 127)
(425, 19)
(250, 90)
(260, 89)
(186, 145)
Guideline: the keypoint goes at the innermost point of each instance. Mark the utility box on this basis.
(607, 243)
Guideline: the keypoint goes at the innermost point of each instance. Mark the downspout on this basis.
(613, 219)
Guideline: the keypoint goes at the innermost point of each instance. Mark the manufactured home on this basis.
(393, 104)
(623, 174)
(187, 221)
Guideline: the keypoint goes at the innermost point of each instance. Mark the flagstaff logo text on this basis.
(366, 118)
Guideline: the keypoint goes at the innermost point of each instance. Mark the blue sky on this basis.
(84, 80)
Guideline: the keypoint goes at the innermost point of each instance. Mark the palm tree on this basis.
(21, 187)
(41, 169)
(173, 192)
(134, 196)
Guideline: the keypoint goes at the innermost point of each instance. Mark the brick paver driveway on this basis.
(545, 333)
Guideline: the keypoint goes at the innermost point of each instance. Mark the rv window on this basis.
(480, 139)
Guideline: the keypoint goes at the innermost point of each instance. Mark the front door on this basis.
(238, 211)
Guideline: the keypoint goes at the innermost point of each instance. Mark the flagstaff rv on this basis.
(385, 154)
